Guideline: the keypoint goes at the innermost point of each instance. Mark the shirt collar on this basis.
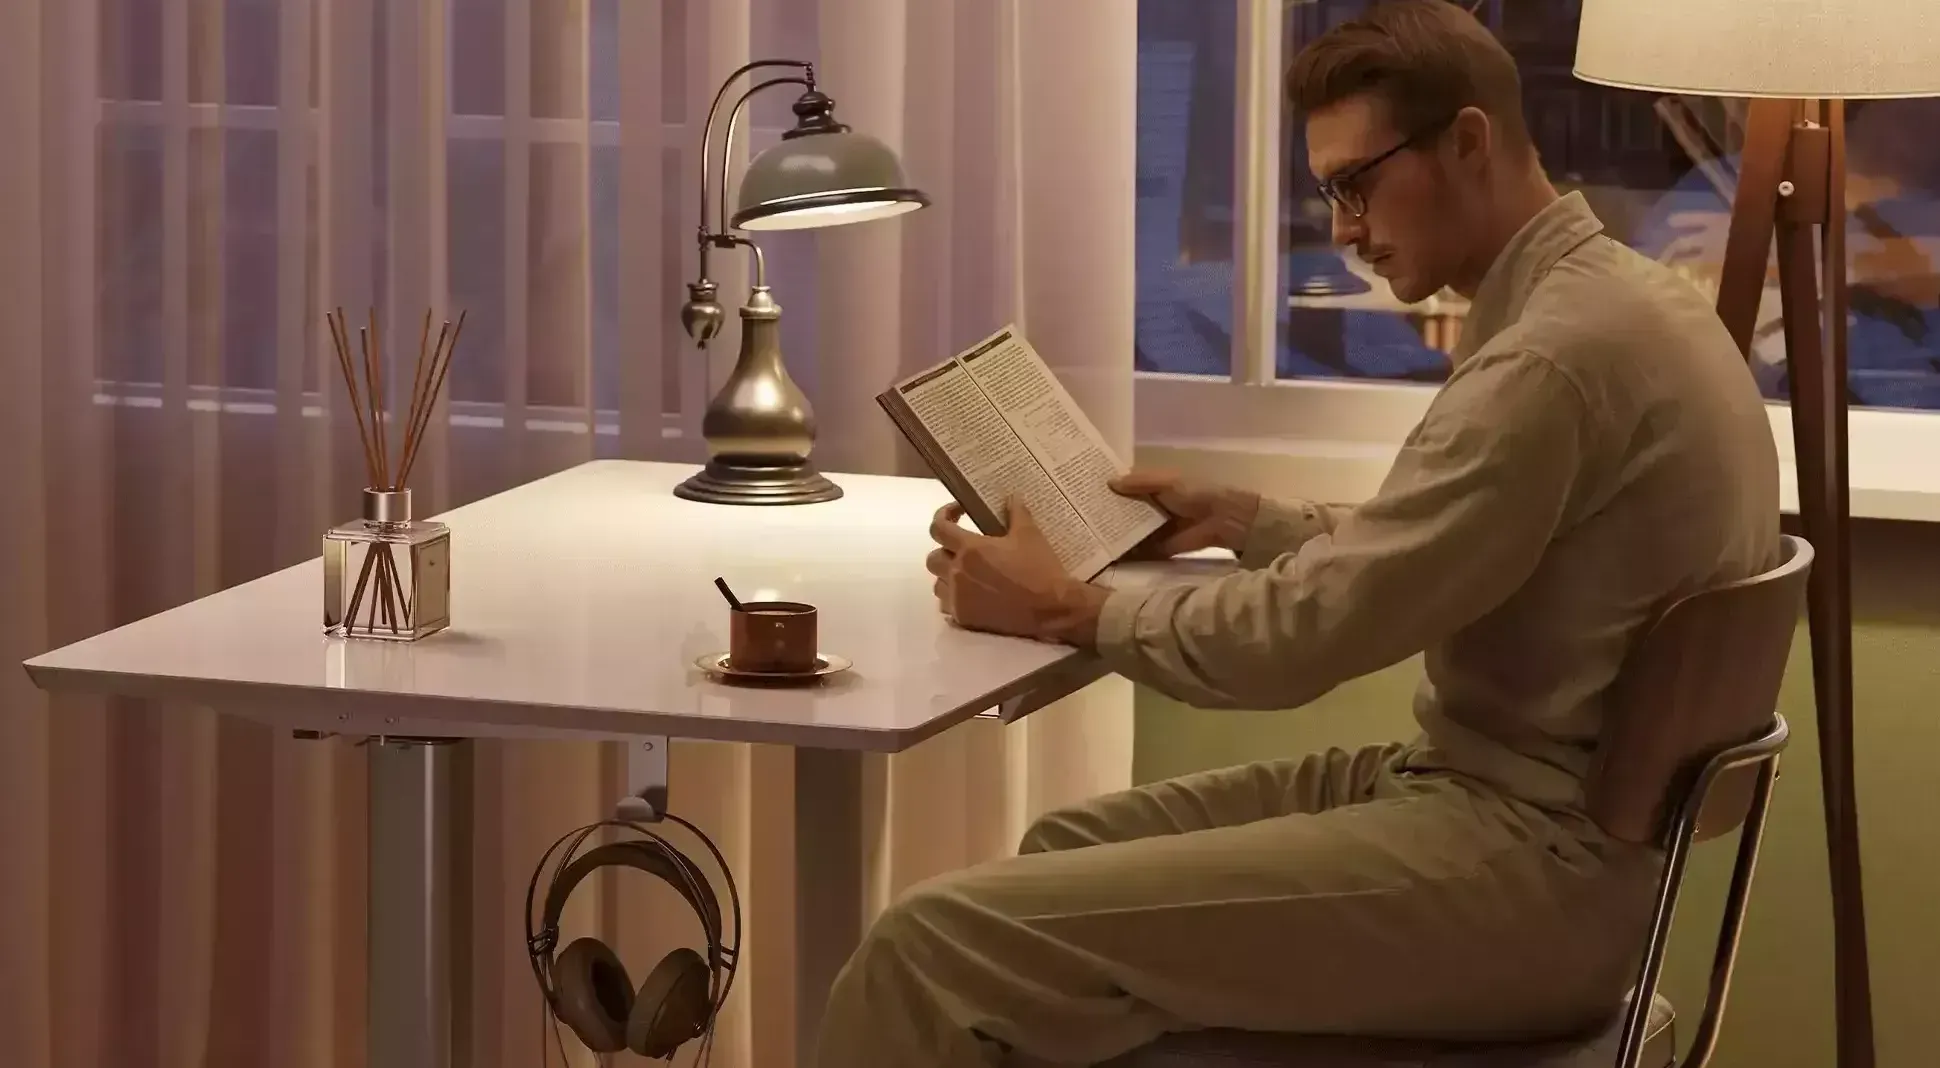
(1547, 237)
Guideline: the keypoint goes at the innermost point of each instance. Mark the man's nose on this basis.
(1348, 230)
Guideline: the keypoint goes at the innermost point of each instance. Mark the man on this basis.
(1599, 448)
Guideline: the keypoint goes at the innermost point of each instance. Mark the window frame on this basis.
(1333, 439)
(249, 401)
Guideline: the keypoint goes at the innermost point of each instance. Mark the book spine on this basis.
(924, 442)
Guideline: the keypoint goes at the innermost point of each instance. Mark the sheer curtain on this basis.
(191, 184)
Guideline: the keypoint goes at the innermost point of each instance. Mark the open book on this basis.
(995, 422)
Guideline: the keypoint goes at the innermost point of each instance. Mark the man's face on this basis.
(1411, 230)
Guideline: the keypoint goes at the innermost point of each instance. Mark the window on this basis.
(202, 136)
(1252, 328)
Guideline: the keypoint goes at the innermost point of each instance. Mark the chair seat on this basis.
(1240, 1049)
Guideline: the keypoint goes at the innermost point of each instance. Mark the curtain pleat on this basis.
(516, 230)
(415, 183)
(642, 286)
(863, 53)
(210, 178)
(718, 43)
(26, 939)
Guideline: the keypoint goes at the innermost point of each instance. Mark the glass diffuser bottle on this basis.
(387, 575)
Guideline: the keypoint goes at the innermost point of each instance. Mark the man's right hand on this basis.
(1198, 516)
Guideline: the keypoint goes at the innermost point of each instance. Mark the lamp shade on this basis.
(813, 178)
(1814, 49)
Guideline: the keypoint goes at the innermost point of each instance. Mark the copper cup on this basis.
(772, 636)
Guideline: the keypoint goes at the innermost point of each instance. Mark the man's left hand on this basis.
(1009, 584)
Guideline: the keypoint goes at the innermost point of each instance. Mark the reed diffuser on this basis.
(388, 575)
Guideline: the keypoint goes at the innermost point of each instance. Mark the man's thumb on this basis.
(1142, 483)
(1020, 514)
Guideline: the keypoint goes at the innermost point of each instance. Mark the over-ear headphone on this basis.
(586, 986)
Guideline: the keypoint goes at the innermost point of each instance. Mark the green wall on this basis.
(1780, 1011)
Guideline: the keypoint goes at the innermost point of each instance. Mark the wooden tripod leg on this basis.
(1819, 402)
(1748, 243)
(1778, 148)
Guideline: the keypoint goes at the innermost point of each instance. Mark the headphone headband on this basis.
(666, 864)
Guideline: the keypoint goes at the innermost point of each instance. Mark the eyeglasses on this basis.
(1340, 188)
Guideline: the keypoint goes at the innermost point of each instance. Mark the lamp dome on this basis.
(823, 174)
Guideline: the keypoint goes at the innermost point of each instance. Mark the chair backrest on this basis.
(1704, 678)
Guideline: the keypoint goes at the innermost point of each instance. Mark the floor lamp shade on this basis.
(1796, 49)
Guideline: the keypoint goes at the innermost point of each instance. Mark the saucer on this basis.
(826, 664)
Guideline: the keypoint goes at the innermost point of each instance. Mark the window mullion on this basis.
(1256, 186)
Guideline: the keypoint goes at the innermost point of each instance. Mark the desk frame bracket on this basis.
(646, 781)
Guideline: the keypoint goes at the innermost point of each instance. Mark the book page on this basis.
(997, 463)
(1069, 446)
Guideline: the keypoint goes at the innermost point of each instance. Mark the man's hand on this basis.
(1011, 584)
(1199, 516)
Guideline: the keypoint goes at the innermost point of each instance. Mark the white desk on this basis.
(579, 603)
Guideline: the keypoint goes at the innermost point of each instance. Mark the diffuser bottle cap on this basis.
(387, 506)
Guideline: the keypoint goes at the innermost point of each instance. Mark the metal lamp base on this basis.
(758, 428)
(723, 481)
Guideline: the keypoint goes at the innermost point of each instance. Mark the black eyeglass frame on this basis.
(1339, 190)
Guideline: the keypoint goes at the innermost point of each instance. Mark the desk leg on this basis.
(410, 904)
(828, 881)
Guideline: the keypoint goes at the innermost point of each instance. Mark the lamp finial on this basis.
(702, 315)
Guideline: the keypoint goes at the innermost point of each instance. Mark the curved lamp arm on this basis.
(702, 314)
(807, 79)
(727, 142)
(721, 237)
(707, 132)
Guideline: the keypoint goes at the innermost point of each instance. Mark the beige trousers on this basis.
(1341, 893)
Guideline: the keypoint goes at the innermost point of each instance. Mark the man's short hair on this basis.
(1425, 59)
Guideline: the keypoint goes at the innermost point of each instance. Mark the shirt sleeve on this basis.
(1474, 498)
(1280, 527)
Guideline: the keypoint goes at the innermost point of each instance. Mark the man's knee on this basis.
(1064, 828)
(888, 958)
(918, 917)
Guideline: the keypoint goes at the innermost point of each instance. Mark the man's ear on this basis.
(1471, 136)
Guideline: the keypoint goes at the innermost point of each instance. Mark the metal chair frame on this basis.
(1678, 839)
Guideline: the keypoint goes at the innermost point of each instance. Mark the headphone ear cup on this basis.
(673, 1005)
(593, 995)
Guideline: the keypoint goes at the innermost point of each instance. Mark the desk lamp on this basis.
(758, 428)
(1797, 61)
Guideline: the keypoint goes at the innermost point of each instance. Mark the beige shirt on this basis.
(1599, 448)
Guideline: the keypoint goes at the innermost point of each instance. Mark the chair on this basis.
(1688, 752)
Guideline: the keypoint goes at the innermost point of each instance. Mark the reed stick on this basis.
(430, 396)
(357, 594)
(340, 335)
(417, 386)
(392, 587)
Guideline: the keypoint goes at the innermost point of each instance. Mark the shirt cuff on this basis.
(1279, 527)
(1117, 642)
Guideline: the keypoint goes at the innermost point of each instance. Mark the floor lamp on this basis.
(1797, 61)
